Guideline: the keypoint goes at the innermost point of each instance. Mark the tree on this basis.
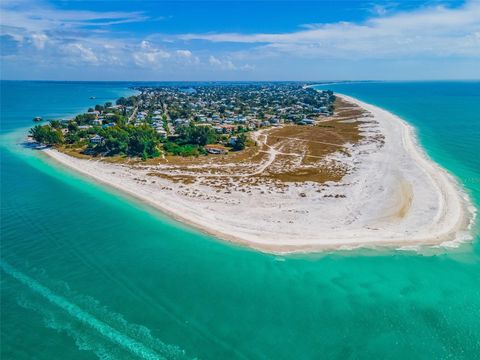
(197, 135)
(47, 135)
(108, 104)
(72, 126)
(182, 150)
(115, 141)
(126, 101)
(240, 143)
(99, 107)
(72, 138)
(83, 119)
(143, 141)
(56, 124)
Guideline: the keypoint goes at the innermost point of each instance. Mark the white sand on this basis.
(395, 196)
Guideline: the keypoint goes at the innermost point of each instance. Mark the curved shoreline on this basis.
(449, 210)
(452, 192)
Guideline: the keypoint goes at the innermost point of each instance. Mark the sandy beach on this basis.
(392, 196)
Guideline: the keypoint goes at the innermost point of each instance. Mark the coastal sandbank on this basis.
(394, 196)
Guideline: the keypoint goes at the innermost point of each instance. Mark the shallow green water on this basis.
(87, 274)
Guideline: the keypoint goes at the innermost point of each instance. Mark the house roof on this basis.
(215, 146)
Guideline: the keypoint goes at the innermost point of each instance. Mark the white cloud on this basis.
(152, 58)
(227, 64)
(436, 31)
(214, 61)
(80, 53)
(46, 36)
(184, 53)
(149, 56)
(382, 9)
(38, 16)
(145, 44)
(221, 64)
(39, 40)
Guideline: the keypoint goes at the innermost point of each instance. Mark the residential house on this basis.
(216, 149)
(96, 139)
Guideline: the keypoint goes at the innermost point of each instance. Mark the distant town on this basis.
(186, 121)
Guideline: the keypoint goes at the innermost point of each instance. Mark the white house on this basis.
(96, 139)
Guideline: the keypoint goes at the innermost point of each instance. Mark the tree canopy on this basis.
(45, 134)
(240, 143)
(139, 141)
(197, 135)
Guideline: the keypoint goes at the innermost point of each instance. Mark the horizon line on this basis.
(250, 81)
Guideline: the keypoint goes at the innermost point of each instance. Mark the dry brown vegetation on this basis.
(275, 157)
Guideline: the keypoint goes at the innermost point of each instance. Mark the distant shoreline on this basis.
(397, 198)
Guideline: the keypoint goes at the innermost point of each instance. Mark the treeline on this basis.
(134, 141)
(118, 137)
(196, 135)
(130, 101)
(141, 141)
(99, 107)
(191, 140)
(46, 134)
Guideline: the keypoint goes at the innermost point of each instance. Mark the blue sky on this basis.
(240, 40)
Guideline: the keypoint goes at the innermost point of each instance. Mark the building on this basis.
(227, 129)
(161, 132)
(180, 122)
(216, 149)
(96, 139)
(274, 121)
(265, 123)
(94, 112)
(233, 140)
(307, 122)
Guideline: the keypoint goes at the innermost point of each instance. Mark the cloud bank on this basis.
(433, 31)
(45, 39)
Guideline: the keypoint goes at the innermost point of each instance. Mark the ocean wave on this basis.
(93, 327)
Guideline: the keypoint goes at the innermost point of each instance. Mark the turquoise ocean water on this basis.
(89, 274)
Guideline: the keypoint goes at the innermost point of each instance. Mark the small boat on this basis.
(37, 119)
(92, 97)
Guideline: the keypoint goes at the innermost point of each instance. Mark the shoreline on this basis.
(447, 210)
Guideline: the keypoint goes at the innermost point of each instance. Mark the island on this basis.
(279, 167)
